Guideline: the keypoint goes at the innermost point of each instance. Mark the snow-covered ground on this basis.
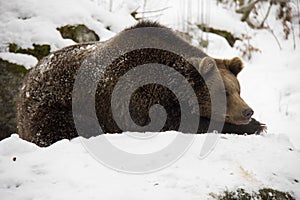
(65, 170)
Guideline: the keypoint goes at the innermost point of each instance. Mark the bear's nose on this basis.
(247, 113)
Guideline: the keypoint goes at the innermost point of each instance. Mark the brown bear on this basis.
(48, 104)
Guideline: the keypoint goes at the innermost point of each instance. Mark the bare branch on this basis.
(272, 32)
(246, 10)
(293, 33)
(153, 11)
(268, 12)
(298, 10)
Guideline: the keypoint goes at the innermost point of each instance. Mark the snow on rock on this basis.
(66, 171)
(32, 21)
(27, 61)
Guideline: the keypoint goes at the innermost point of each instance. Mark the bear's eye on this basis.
(227, 93)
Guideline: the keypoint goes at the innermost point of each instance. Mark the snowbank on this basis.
(66, 171)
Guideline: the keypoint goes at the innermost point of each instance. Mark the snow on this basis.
(27, 61)
(66, 170)
(30, 21)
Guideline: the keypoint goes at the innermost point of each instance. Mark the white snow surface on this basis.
(27, 61)
(65, 170)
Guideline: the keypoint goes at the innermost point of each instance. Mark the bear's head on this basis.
(237, 110)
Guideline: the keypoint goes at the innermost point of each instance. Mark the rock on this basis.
(78, 33)
(38, 51)
(11, 78)
(262, 194)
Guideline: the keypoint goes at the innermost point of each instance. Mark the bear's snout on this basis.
(247, 113)
(238, 111)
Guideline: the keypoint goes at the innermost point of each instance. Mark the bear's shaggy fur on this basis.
(45, 101)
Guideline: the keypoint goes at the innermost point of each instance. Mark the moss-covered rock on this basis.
(268, 193)
(11, 78)
(38, 51)
(240, 194)
(78, 33)
(262, 194)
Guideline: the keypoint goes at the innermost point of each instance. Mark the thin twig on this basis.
(152, 11)
(110, 5)
(183, 15)
(298, 16)
(144, 8)
(293, 33)
(272, 32)
(153, 16)
(268, 12)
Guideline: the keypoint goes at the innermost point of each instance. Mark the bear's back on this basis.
(44, 101)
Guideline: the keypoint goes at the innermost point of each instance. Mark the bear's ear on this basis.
(203, 65)
(234, 65)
